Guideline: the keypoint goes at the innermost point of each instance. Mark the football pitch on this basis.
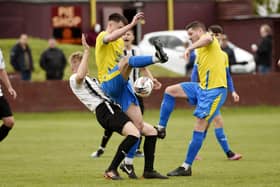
(53, 149)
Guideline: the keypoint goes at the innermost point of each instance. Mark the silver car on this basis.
(173, 42)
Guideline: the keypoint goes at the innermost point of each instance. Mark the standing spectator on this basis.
(21, 58)
(263, 51)
(5, 110)
(53, 61)
(226, 48)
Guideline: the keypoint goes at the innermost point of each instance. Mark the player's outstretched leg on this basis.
(222, 139)
(6, 127)
(105, 138)
(166, 108)
(130, 140)
(142, 61)
(127, 165)
(149, 152)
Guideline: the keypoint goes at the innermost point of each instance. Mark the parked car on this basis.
(173, 43)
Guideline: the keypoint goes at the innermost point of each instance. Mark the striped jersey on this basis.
(88, 92)
(135, 72)
(2, 66)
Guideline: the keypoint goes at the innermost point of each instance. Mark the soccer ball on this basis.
(143, 86)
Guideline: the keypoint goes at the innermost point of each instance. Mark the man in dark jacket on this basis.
(21, 58)
(263, 51)
(53, 61)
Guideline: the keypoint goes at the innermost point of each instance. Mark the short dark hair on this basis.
(118, 18)
(195, 25)
(216, 29)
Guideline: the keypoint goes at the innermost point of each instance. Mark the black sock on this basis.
(139, 143)
(149, 152)
(4, 131)
(107, 135)
(124, 147)
(230, 154)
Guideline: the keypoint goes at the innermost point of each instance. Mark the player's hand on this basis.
(187, 54)
(137, 18)
(157, 84)
(84, 42)
(13, 93)
(235, 97)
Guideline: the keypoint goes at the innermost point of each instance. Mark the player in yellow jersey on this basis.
(209, 95)
(187, 90)
(113, 72)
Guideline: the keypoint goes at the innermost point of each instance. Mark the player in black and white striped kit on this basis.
(5, 110)
(108, 114)
(130, 50)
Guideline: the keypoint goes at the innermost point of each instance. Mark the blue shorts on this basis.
(208, 102)
(120, 90)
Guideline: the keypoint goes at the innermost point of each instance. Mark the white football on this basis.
(143, 86)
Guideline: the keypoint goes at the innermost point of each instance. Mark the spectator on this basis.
(53, 61)
(226, 48)
(263, 51)
(21, 58)
(92, 34)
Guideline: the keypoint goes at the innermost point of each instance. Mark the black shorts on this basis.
(111, 117)
(5, 110)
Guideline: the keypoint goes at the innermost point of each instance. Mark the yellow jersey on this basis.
(211, 65)
(107, 56)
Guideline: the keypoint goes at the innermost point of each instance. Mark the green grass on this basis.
(52, 149)
(39, 45)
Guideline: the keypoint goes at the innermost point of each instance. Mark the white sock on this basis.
(102, 148)
(185, 165)
(155, 59)
(160, 127)
(128, 161)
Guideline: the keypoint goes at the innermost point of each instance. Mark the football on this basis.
(143, 86)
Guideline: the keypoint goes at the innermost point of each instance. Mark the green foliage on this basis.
(39, 45)
(52, 149)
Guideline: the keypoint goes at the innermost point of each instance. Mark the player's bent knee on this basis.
(130, 129)
(9, 121)
(149, 130)
(201, 125)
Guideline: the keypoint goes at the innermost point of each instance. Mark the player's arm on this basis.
(83, 67)
(119, 32)
(147, 73)
(194, 75)
(5, 79)
(201, 42)
(230, 85)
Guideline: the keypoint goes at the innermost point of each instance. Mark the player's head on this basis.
(265, 30)
(23, 39)
(52, 42)
(224, 41)
(75, 60)
(128, 38)
(116, 21)
(216, 30)
(195, 30)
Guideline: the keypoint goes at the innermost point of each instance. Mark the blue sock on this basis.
(133, 149)
(140, 61)
(166, 108)
(222, 139)
(194, 146)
